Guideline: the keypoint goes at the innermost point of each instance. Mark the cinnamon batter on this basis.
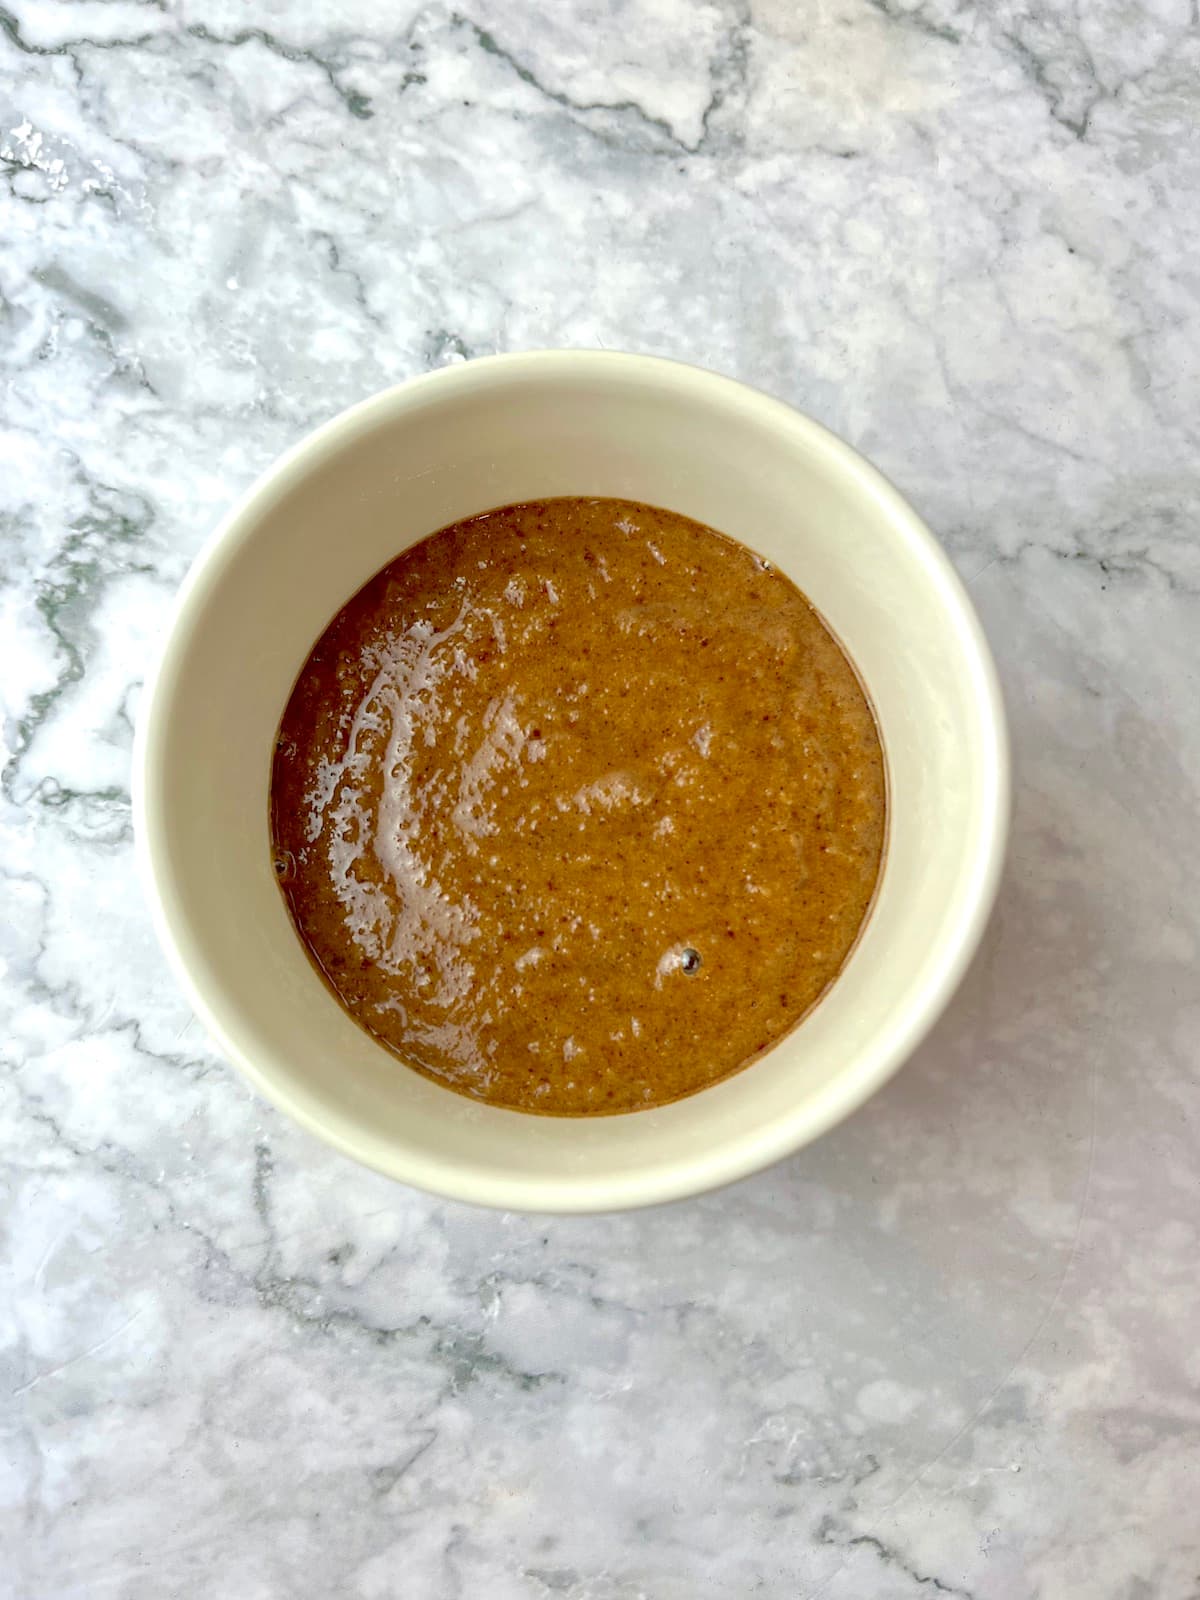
(577, 806)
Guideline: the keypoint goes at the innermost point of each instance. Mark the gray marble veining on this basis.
(955, 1347)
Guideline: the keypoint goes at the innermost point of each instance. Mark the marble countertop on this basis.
(952, 1349)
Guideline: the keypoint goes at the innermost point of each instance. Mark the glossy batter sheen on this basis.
(578, 806)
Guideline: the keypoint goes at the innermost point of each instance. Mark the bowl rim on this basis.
(717, 1165)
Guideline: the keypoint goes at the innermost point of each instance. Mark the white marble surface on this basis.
(955, 1347)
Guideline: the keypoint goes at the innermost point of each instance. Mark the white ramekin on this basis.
(439, 448)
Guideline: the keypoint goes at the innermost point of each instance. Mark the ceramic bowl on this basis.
(445, 446)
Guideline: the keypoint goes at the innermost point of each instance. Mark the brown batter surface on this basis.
(578, 806)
